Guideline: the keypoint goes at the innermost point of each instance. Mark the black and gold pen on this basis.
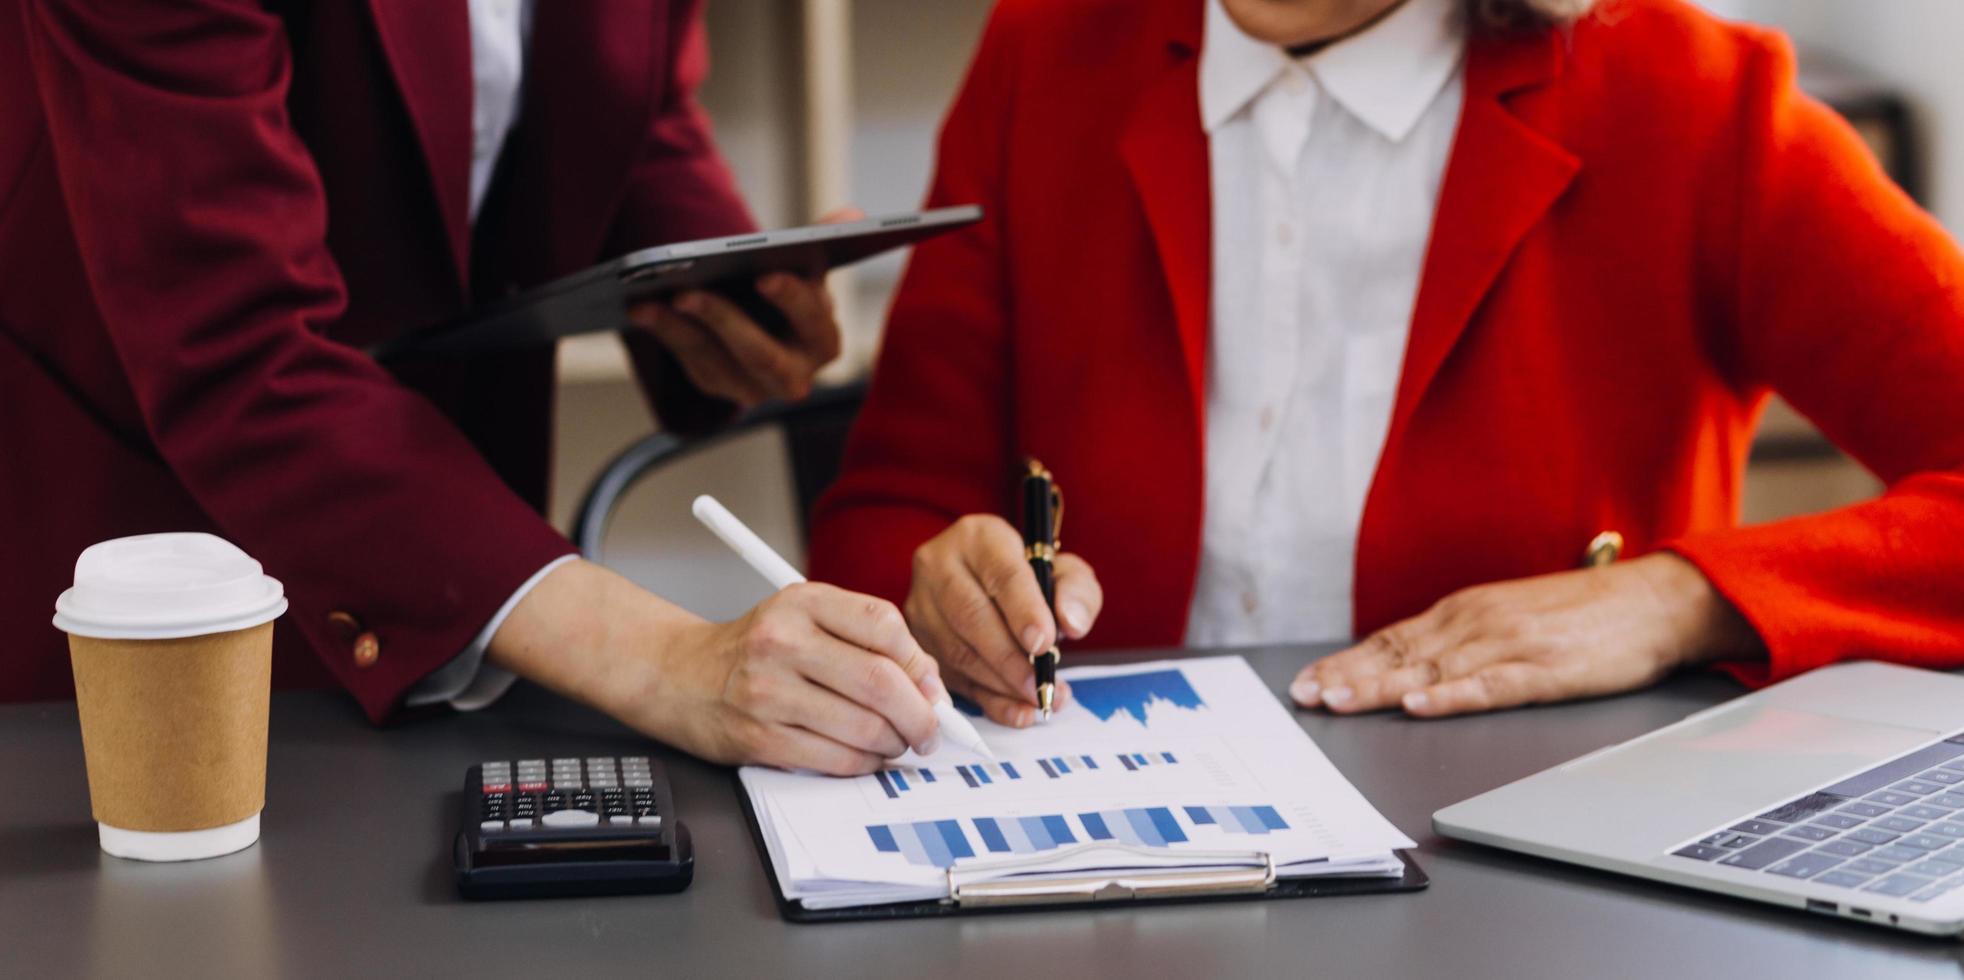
(1043, 515)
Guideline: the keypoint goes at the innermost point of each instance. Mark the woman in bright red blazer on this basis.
(1643, 227)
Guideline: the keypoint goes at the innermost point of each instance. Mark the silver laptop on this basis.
(1840, 792)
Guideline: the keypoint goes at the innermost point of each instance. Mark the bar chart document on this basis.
(1190, 757)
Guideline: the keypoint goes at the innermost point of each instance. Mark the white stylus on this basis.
(772, 566)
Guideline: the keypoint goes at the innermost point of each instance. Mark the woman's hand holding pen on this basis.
(976, 608)
(814, 677)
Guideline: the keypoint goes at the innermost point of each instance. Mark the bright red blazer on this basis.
(1644, 226)
(206, 211)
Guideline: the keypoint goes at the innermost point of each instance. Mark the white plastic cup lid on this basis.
(165, 586)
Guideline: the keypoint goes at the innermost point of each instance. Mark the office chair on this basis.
(814, 435)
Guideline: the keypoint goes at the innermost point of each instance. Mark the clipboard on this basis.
(1256, 881)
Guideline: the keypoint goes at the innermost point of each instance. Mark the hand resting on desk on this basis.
(1554, 637)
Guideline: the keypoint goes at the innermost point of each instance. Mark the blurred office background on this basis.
(819, 103)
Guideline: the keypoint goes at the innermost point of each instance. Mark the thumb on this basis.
(1079, 596)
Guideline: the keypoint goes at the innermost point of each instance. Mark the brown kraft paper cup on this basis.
(174, 730)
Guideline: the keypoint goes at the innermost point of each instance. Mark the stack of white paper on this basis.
(1173, 757)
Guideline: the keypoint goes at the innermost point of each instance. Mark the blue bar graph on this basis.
(900, 781)
(1132, 694)
(940, 843)
(893, 782)
(983, 774)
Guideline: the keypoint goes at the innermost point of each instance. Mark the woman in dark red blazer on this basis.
(1643, 228)
(207, 211)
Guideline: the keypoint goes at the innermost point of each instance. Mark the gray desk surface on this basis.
(352, 875)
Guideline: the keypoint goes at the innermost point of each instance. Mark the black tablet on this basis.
(597, 299)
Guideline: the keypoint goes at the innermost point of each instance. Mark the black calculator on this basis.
(570, 826)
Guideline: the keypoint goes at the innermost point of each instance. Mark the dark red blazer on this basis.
(1644, 226)
(207, 209)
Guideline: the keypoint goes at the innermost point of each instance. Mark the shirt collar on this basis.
(1385, 76)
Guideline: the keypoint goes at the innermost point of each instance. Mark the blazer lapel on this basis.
(1502, 177)
(1165, 151)
(428, 46)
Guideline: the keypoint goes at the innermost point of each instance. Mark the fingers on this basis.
(777, 369)
(839, 216)
(1509, 684)
(1003, 709)
(994, 557)
(807, 306)
(822, 709)
(965, 670)
(951, 605)
(871, 660)
(708, 365)
(1377, 672)
(977, 607)
(791, 747)
(873, 624)
(1079, 596)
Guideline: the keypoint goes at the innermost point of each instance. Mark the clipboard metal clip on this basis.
(973, 884)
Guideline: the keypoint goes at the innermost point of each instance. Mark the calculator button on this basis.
(570, 818)
(523, 823)
(650, 820)
(492, 825)
(496, 788)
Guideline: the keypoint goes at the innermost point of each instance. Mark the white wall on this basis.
(1911, 43)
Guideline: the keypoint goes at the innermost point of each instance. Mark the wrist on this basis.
(1710, 627)
(591, 635)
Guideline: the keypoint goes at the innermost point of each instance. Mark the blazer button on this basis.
(345, 626)
(368, 649)
(1603, 550)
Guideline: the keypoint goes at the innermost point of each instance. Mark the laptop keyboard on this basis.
(1895, 830)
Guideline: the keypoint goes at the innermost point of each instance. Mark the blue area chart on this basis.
(940, 843)
(1132, 694)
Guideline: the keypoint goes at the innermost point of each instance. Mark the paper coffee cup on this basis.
(171, 640)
